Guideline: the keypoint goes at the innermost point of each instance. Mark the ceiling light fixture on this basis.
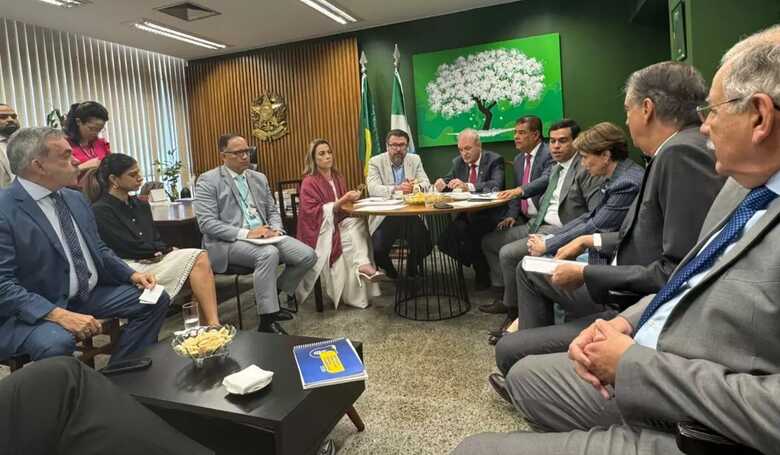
(151, 27)
(330, 10)
(66, 3)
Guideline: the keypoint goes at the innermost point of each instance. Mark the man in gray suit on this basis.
(704, 348)
(575, 192)
(388, 173)
(679, 186)
(9, 123)
(234, 205)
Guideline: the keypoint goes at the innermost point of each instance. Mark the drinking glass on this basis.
(189, 312)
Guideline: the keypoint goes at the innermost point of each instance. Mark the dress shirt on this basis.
(398, 173)
(532, 210)
(648, 334)
(471, 186)
(41, 197)
(551, 217)
(6, 176)
(128, 228)
(250, 202)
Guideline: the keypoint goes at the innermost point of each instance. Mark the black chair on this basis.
(238, 271)
(695, 439)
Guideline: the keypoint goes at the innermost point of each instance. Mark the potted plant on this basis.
(55, 119)
(169, 171)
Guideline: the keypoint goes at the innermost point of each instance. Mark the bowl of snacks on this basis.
(415, 198)
(201, 343)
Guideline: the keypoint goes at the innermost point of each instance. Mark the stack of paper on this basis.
(543, 265)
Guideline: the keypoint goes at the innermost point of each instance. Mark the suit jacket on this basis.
(490, 176)
(6, 177)
(618, 191)
(664, 221)
(718, 360)
(380, 180)
(33, 265)
(219, 214)
(580, 192)
(538, 182)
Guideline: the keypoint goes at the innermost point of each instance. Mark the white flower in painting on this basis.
(484, 79)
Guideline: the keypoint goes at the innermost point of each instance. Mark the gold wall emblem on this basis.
(269, 117)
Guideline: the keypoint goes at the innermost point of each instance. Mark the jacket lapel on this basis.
(33, 211)
(567, 181)
(408, 169)
(228, 180)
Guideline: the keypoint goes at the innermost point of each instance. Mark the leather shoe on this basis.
(282, 315)
(271, 327)
(327, 448)
(496, 307)
(498, 382)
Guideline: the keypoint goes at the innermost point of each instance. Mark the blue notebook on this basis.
(328, 362)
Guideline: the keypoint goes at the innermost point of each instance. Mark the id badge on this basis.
(252, 212)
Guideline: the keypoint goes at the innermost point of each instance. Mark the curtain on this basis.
(144, 92)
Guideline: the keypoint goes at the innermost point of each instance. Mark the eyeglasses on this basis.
(7, 116)
(397, 146)
(241, 153)
(705, 111)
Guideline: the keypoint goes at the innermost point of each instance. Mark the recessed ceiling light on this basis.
(151, 27)
(66, 3)
(329, 9)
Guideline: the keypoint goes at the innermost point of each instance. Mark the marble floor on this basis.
(426, 388)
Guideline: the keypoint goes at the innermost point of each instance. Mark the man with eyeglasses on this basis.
(234, 205)
(389, 173)
(9, 123)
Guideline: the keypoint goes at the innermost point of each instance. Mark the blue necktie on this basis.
(758, 199)
(69, 232)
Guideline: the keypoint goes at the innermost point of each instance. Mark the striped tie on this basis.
(69, 232)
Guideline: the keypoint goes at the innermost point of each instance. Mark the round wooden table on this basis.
(438, 289)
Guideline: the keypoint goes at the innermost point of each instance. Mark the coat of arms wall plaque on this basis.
(269, 117)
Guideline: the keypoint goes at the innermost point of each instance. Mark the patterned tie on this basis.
(69, 232)
(533, 226)
(758, 199)
(473, 174)
(526, 179)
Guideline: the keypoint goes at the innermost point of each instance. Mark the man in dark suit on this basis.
(678, 188)
(480, 171)
(705, 347)
(57, 278)
(577, 193)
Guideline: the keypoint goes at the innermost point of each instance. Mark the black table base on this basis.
(437, 290)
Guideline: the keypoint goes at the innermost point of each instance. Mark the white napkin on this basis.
(248, 380)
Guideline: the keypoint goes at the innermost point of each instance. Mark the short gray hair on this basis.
(753, 67)
(471, 132)
(28, 144)
(675, 88)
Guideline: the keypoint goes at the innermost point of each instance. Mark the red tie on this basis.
(473, 174)
(526, 179)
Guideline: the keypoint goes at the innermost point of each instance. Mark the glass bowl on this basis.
(201, 343)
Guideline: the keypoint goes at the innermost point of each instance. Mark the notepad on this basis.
(151, 296)
(544, 265)
(268, 241)
(328, 362)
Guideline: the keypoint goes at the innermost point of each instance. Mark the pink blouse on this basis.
(98, 149)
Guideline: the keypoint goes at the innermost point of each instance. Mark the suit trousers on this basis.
(492, 244)
(59, 405)
(390, 230)
(49, 339)
(570, 415)
(297, 258)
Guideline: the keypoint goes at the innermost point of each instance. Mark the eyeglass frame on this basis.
(705, 111)
(239, 153)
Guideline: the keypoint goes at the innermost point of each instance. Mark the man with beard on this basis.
(9, 123)
(388, 173)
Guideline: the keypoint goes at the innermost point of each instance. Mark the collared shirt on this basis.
(532, 210)
(551, 217)
(41, 197)
(476, 171)
(398, 173)
(247, 206)
(6, 176)
(648, 334)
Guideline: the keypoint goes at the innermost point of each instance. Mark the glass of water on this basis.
(190, 313)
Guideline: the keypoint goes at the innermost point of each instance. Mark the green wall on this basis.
(599, 49)
(713, 26)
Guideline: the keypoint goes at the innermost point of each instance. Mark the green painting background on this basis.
(433, 129)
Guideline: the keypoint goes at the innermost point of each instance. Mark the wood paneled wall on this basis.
(321, 84)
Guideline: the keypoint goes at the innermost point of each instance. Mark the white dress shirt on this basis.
(41, 197)
(551, 217)
(648, 334)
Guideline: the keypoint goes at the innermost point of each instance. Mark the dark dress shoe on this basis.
(327, 448)
(271, 327)
(496, 307)
(498, 382)
(282, 315)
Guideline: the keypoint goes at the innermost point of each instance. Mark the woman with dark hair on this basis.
(82, 125)
(342, 243)
(125, 224)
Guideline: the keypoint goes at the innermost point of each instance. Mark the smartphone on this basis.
(127, 365)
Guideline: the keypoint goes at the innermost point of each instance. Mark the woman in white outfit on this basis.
(342, 243)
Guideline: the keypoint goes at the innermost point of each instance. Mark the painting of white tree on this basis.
(482, 80)
(487, 87)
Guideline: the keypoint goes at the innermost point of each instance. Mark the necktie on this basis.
(252, 217)
(758, 199)
(526, 179)
(473, 174)
(77, 255)
(545, 204)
